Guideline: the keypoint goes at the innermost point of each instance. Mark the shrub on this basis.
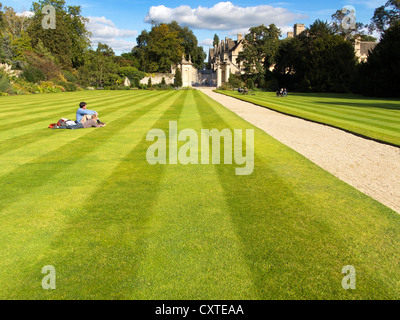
(69, 76)
(68, 86)
(33, 74)
(5, 85)
(235, 81)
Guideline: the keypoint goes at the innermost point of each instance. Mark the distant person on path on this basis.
(88, 118)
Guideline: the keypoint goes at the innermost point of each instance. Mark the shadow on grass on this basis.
(101, 249)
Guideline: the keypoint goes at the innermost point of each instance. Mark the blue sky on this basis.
(118, 22)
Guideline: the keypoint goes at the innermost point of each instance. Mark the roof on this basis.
(367, 46)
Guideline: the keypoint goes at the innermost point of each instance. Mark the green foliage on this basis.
(69, 40)
(69, 76)
(348, 34)
(164, 46)
(259, 51)
(385, 16)
(178, 78)
(189, 44)
(383, 65)
(5, 85)
(68, 86)
(319, 62)
(33, 74)
(49, 68)
(235, 81)
(216, 40)
(131, 72)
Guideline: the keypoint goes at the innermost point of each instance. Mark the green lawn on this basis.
(114, 227)
(374, 118)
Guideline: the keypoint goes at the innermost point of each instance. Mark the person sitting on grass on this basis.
(84, 115)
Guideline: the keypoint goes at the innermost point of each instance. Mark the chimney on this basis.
(239, 36)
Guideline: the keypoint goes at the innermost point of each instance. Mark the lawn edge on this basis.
(360, 135)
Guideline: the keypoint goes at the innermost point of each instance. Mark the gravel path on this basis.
(371, 167)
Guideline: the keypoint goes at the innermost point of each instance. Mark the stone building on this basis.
(223, 59)
(188, 71)
(362, 49)
(297, 29)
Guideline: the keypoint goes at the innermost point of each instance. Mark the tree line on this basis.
(62, 59)
(322, 59)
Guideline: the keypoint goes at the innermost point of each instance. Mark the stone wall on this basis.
(156, 78)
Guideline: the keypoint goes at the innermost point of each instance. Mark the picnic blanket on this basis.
(65, 123)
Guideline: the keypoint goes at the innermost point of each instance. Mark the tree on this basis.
(164, 46)
(14, 36)
(178, 78)
(69, 41)
(378, 74)
(99, 68)
(259, 50)
(216, 40)
(189, 44)
(158, 49)
(385, 16)
(320, 61)
(347, 33)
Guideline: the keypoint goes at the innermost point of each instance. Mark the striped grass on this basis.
(114, 227)
(378, 119)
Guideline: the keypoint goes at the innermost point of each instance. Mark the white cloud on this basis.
(207, 42)
(27, 14)
(104, 30)
(223, 16)
(118, 45)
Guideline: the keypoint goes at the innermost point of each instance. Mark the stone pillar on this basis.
(219, 75)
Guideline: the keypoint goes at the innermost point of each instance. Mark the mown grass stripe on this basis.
(335, 109)
(300, 224)
(113, 218)
(49, 163)
(55, 106)
(17, 103)
(366, 129)
(50, 117)
(352, 116)
(19, 139)
(191, 235)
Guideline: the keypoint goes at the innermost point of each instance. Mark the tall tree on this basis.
(99, 68)
(320, 61)
(385, 16)
(379, 75)
(189, 44)
(347, 33)
(15, 36)
(158, 49)
(69, 40)
(216, 40)
(259, 50)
